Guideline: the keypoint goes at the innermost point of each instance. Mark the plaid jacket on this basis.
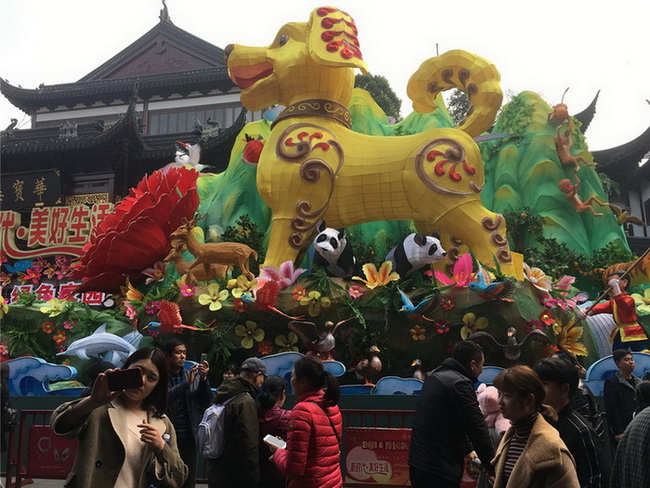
(632, 461)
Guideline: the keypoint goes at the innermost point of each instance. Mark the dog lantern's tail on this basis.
(476, 76)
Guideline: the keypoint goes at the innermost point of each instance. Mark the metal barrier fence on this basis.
(35, 452)
(393, 419)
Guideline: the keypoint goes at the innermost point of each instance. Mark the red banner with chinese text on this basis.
(377, 456)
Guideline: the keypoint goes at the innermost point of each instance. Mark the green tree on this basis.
(611, 187)
(381, 92)
(458, 105)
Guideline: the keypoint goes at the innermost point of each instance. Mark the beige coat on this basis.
(545, 462)
(100, 454)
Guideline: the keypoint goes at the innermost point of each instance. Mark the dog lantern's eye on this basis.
(283, 40)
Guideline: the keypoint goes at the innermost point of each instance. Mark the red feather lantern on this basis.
(135, 236)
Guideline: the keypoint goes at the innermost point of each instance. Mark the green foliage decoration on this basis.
(381, 92)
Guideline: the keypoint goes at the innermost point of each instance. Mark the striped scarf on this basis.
(518, 442)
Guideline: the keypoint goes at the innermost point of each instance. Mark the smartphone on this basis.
(269, 439)
(204, 357)
(124, 379)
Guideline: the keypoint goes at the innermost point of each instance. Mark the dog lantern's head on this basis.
(307, 60)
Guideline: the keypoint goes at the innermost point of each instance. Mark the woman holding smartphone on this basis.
(312, 456)
(120, 432)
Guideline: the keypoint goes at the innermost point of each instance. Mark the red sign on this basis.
(51, 231)
(376, 456)
(48, 455)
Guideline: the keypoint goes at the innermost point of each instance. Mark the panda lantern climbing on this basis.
(333, 252)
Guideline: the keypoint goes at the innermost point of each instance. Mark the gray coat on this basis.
(101, 450)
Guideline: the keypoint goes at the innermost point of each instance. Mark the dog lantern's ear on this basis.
(333, 39)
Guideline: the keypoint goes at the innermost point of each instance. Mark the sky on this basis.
(544, 47)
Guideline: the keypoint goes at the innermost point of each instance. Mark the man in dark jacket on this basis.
(238, 466)
(582, 399)
(560, 380)
(448, 423)
(619, 393)
(189, 395)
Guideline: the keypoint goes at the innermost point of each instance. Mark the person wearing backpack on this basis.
(312, 456)
(238, 464)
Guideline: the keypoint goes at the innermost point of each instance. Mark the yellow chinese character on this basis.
(18, 190)
(40, 188)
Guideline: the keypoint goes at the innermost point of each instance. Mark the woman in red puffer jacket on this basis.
(312, 456)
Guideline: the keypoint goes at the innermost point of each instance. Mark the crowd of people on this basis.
(146, 436)
(556, 437)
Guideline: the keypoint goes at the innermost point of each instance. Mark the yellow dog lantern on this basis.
(314, 167)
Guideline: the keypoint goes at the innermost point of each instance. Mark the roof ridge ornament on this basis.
(164, 13)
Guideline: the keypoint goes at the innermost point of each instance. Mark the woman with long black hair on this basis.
(125, 439)
(312, 456)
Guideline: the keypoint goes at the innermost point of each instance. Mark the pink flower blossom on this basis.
(131, 312)
(32, 275)
(62, 261)
(564, 283)
(39, 264)
(463, 273)
(187, 290)
(564, 304)
(69, 324)
(152, 307)
(285, 276)
(155, 273)
(355, 291)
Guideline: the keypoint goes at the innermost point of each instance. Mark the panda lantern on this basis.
(414, 252)
(333, 252)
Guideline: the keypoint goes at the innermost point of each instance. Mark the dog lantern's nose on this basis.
(229, 49)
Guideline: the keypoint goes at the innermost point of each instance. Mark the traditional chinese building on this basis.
(628, 166)
(92, 140)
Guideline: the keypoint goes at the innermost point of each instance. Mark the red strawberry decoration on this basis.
(253, 149)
